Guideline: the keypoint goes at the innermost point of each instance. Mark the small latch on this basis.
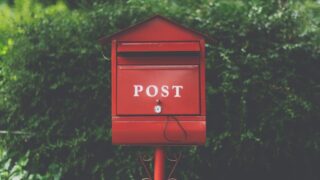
(158, 108)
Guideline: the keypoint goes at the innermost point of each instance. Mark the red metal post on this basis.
(159, 163)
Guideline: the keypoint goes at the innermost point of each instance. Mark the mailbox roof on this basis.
(155, 28)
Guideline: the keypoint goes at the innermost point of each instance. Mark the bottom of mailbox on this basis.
(159, 132)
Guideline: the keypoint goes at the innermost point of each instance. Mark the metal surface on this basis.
(159, 163)
(158, 58)
(151, 132)
(174, 160)
(182, 130)
(156, 28)
(158, 84)
(176, 86)
(113, 78)
(159, 159)
(158, 47)
(144, 159)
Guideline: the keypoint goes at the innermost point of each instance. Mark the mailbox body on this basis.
(158, 63)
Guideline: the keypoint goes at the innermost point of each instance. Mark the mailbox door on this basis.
(175, 88)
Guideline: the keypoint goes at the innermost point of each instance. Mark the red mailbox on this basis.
(158, 84)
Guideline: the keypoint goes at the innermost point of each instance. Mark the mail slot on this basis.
(158, 84)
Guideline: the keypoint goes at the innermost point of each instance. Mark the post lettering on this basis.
(177, 88)
(155, 90)
(165, 91)
(137, 89)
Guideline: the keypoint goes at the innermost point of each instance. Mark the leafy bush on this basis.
(17, 170)
(262, 84)
(19, 11)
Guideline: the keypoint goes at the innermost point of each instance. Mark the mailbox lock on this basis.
(158, 108)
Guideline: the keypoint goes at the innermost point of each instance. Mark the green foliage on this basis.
(17, 170)
(262, 83)
(10, 16)
(21, 11)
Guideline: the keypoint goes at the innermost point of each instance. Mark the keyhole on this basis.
(157, 109)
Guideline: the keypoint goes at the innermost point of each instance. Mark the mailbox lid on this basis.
(158, 47)
(145, 58)
(175, 86)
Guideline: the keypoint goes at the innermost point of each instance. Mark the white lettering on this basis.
(137, 89)
(155, 90)
(177, 88)
(165, 91)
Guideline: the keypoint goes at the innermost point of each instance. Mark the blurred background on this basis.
(263, 89)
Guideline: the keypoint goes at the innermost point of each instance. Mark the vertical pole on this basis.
(159, 164)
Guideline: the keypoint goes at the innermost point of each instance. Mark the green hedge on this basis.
(262, 83)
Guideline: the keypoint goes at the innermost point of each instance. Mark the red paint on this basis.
(152, 132)
(203, 77)
(155, 29)
(157, 118)
(159, 163)
(158, 47)
(114, 79)
(158, 78)
(158, 84)
(158, 58)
